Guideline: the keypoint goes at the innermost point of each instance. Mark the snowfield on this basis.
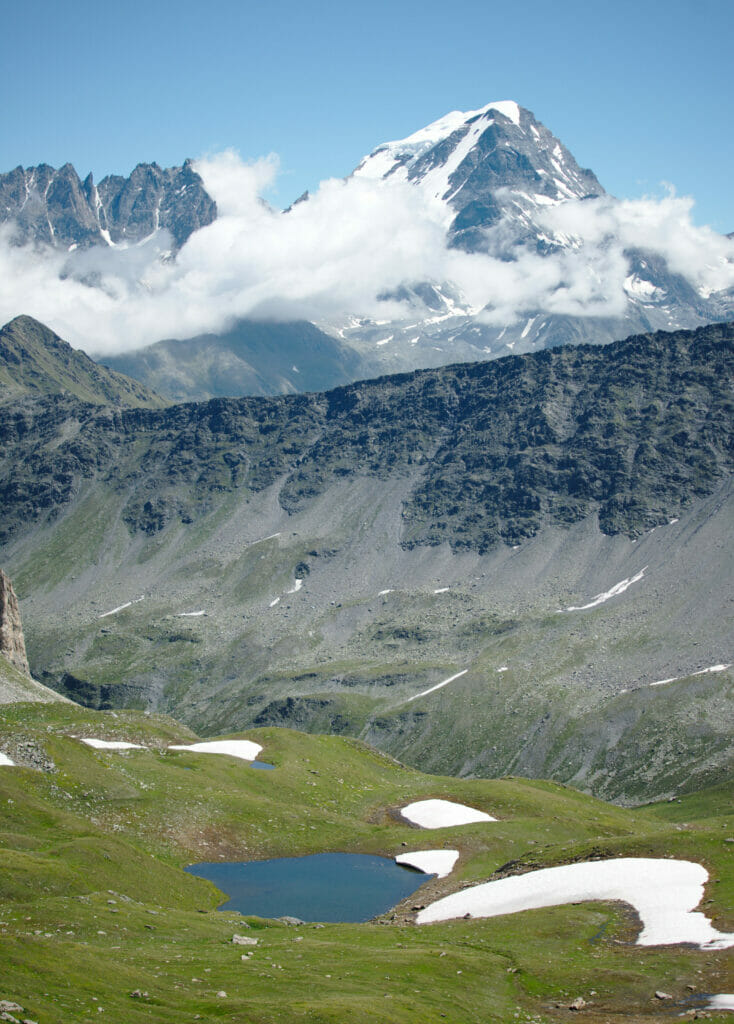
(430, 862)
(725, 1001)
(442, 814)
(244, 749)
(5, 761)
(663, 892)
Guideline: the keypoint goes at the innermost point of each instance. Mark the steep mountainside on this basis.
(481, 568)
(630, 433)
(34, 360)
(57, 208)
(253, 358)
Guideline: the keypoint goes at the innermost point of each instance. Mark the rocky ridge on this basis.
(56, 208)
(630, 432)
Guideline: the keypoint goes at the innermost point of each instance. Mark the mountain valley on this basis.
(93, 845)
(418, 496)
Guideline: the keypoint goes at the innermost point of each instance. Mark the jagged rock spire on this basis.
(12, 644)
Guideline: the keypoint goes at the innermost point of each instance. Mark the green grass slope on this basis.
(94, 905)
(15, 686)
(34, 359)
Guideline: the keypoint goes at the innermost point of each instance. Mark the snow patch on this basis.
(273, 603)
(442, 590)
(190, 615)
(618, 588)
(639, 288)
(725, 1001)
(663, 892)
(430, 862)
(438, 686)
(383, 592)
(5, 761)
(262, 540)
(528, 327)
(110, 744)
(121, 607)
(244, 749)
(701, 672)
(442, 814)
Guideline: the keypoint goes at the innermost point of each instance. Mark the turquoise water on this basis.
(323, 887)
(262, 764)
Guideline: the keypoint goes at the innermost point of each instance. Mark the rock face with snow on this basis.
(57, 208)
(12, 643)
(485, 165)
(496, 172)
(496, 179)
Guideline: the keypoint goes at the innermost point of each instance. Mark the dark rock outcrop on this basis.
(631, 433)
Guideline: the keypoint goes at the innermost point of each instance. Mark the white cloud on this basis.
(332, 255)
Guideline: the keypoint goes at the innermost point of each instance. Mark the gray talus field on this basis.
(321, 620)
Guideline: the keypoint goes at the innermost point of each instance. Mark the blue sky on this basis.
(640, 92)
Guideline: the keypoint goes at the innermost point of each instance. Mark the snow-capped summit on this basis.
(483, 165)
(499, 181)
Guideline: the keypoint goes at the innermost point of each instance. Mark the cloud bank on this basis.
(333, 255)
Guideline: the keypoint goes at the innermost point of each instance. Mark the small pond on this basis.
(323, 887)
(262, 764)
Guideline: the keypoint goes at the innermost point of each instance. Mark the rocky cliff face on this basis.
(12, 644)
(630, 433)
(57, 208)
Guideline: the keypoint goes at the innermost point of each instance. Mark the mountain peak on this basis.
(34, 359)
(451, 122)
(483, 164)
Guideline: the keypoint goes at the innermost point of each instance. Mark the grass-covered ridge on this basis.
(34, 360)
(91, 852)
